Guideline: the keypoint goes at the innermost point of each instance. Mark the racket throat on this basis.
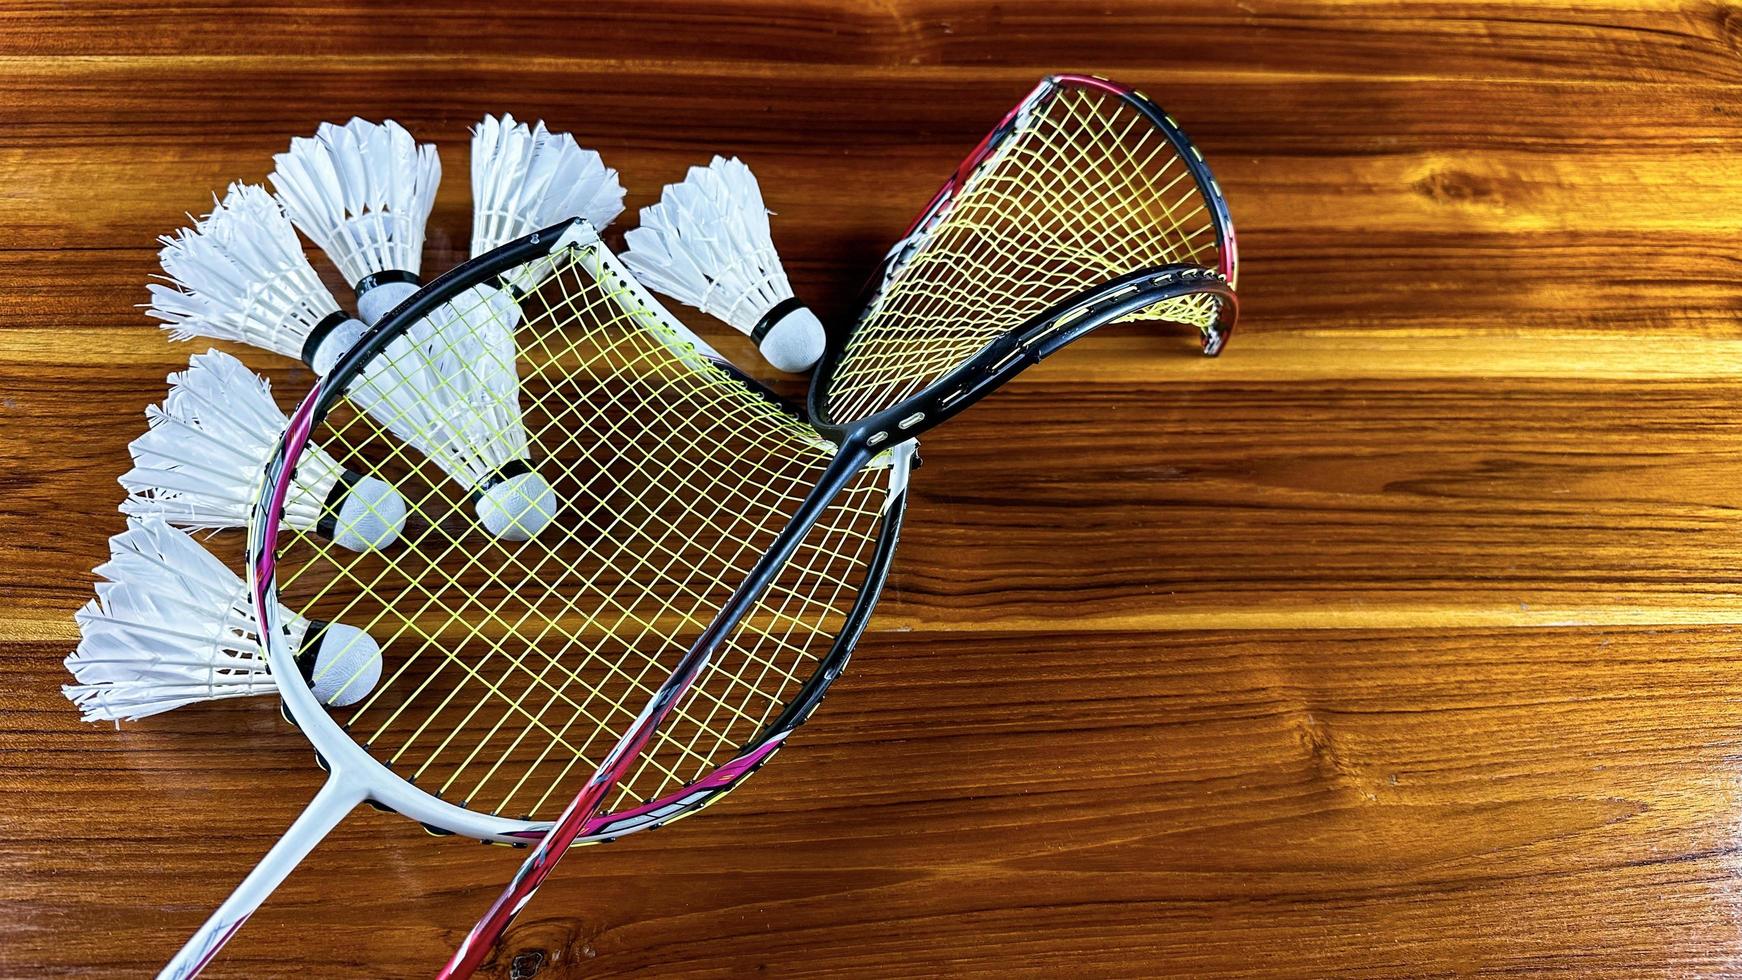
(336, 799)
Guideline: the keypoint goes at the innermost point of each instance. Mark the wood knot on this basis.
(1730, 26)
(544, 948)
(1325, 754)
(1459, 187)
(526, 964)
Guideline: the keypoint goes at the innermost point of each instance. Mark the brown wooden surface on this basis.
(1398, 641)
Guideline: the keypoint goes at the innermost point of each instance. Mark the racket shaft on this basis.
(478, 943)
(335, 800)
(585, 805)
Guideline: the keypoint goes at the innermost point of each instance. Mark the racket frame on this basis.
(353, 775)
(978, 376)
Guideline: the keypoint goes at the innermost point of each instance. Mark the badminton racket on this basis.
(511, 669)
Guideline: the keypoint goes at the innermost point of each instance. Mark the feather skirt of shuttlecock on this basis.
(450, 387)
(362, 192)
(172, 625)
(200, 462)
(525, 178)
(240, 274)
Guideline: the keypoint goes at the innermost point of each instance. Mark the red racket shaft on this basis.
(576, 820)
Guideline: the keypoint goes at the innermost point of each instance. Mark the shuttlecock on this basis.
(240, 274)
(172, 625)
(525, 178)
(449, 386)
(362, 192)
(201, 461)
(706, 243)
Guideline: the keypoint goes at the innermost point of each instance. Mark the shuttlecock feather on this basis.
(240, 274)
(706, 243)
(200, 463)
(525, 178)
(362, 192)
(451, 388)
(172, 625)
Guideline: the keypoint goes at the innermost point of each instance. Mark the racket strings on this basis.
(1085, 188)
(512, 668)
(763, 666)
(447, 384)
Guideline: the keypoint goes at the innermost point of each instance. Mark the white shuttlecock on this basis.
(172, 625)
(201, 460)
(450, 388)
(525, 178)
(362, 192)
(240, 274)
(706, 243)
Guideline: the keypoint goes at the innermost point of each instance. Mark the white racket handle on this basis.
(337, 798)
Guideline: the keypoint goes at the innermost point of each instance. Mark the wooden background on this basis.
(1398, 641)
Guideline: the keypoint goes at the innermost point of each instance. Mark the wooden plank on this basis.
(1662, 40)
(1205, 803)
(1202, 500)
(1512, 221)
(1397, 641)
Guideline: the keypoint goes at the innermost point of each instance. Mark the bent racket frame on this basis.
(354, 774)
(1049, 88)
(1146, 215)
(859, 438)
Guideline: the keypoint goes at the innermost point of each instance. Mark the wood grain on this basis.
(1400, 640)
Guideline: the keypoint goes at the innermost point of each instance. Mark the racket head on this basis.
(1085, 205)
(499, 655)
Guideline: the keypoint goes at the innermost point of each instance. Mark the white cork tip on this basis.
(795, 342)
(378, 302)
(371, 516)
(347, 666)
(518, 508)
(334, 346)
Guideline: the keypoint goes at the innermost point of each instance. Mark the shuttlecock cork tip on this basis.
(331, 340)
(375, 298)
(794, 343)
(518, 508)
(342, 664)
(370, 516)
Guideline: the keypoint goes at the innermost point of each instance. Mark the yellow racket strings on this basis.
(511, 668)
(1085, 189)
